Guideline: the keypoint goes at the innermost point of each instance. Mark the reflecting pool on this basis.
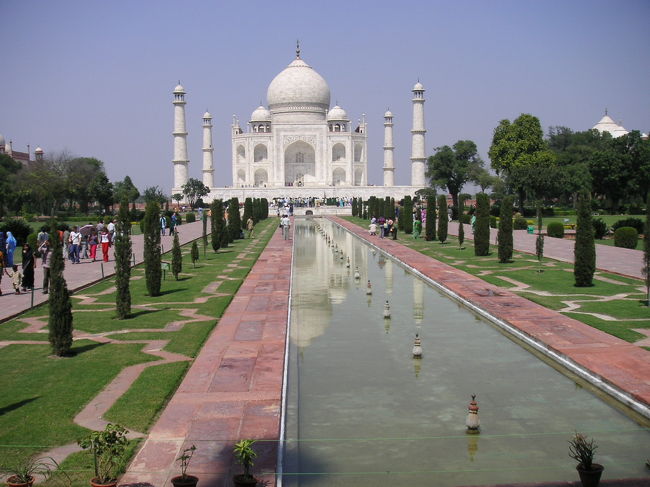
(361, 411)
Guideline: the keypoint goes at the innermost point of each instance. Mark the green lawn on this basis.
(42, 394)
(551, 288)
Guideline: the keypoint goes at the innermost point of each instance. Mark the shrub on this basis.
(494, 222)
(626, 237)
(520, 223)
(600, 228)
(635, 223)
(465, 218)
(190, 218)
(18, 227)
(555, 229)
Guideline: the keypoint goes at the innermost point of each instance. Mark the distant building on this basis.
(23, 157)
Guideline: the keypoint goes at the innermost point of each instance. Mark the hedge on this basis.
(600, 228)
(626, 237)
(635, 223)
(190, 218)
(520, 223)
(555, 229)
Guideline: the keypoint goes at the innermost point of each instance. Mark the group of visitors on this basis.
(82, 243)
(22, 277)
(174, 221)
(384, 227)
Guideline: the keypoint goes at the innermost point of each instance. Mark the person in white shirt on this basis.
(286, 224)
(75, 245)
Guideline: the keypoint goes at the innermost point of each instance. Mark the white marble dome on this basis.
(298, 85)
(179, 88)
(261, 114)
(388, 114)
(337, 113)
(418, 87)
(207, 115)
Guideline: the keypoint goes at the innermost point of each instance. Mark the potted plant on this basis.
(245, 454)
(582, 450)
(24, 471)
(107, 448)
(184, 480)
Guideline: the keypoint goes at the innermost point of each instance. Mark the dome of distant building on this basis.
(298, 85)
(337, 113)
(607, 124)
(261, 114)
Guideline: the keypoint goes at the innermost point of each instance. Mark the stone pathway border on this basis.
(233, 389)
(620, 369)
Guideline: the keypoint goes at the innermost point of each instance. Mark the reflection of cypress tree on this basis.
(430, 229)
(152, 271)
(234, 219)
(584, 249)
(123, 262)
(216, 222)
(482, 225)
(60, 320)
(177, 257)
(505, 231)
(443, 218)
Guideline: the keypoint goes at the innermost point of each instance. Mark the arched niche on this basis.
(338, 176)
(358, 176)
(338, 152)
(358, 152)
(299, 163)
(261, 177)
(260, 153)
(241, 154)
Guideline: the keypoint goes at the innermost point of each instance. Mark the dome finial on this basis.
(605, 111)
(298, 49)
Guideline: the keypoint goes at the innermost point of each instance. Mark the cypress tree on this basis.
(195, 253)
(216, 211)
(204, 237)
(123, 250)
(177, 258)
(152, 271)
(248, 211)
(443, 219)
(234, 220)
(408, 215)
(264, 203)
(584, 250)
(505, 231)
(430, 229)
(646, 248)
(461, 227)
(60, 307)
(225, 235)
(482, 225)
(389, 209)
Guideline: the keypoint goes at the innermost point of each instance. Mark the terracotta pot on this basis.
(187, 481)
(96, 483)
(244, 481)
(14, 482)
(590, 478)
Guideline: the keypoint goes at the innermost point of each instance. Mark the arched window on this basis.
(260, 153)
(358, 151)
(338, 152)
(241, 153)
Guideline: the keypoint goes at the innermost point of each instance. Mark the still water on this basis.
(361, 411)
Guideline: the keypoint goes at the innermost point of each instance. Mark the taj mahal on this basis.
(299, 146)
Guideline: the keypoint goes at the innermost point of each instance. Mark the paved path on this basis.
(233, 389)
(627, 262)
(86, 273)
(617, 363)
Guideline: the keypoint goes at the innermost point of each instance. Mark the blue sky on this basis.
(95, 77)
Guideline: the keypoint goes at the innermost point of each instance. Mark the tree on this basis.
(451, 168)
(43, 182)
(60, 307)
(194, 189)
(8, 170)
(584, 250)
(151, 230)
(204, 236)
(216, 224)
(81, 174)
(248, 210)
(486, 180)
(234, 219)
(443, 218)
(646, 247)
(407, 217)
(505, 231)
(101, 190)
(154, 194)
(194, 253)
(430, 229)
(482, 225)
(177, 257)
(125, 190)
(123, 251)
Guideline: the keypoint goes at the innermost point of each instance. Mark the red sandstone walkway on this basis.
(627, 262)
(233, 390)
(616, 362)
(86, 273)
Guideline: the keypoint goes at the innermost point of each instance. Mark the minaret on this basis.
(417, 147)
(389, 165)
(180, 160)
(208, 171)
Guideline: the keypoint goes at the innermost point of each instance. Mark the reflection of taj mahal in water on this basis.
(299, 146)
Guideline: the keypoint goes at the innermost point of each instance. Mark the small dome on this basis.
(38, 150)
(207, 115)
(179, 88)
(388, 114)
(418, 87)
(298, 85)
(337, 113)
(261, 114)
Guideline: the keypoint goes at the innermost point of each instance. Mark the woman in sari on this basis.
(28, 267)
(11, 248)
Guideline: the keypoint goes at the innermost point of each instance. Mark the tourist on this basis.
(28, 266)
(93, 241)
(373, 227)
(172, 225)
(163, 224)
(46, 253)
(42, 235)
(16, 278)
(11, 248)
(2, 265)
(105, 240)
(75, 245)
(286, 224)
(417, 228)
(250, 224)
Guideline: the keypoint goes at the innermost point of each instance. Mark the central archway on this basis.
(299, 164)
